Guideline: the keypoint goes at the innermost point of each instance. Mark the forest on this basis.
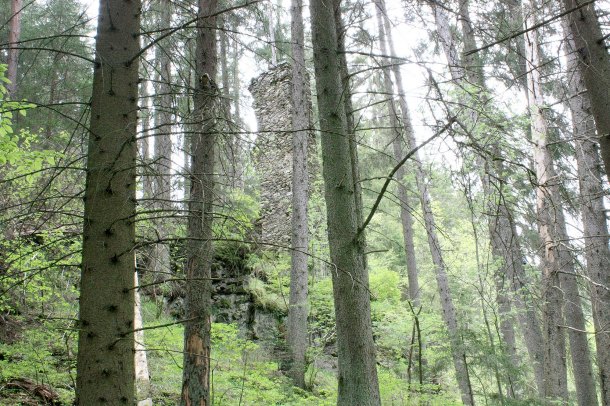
(333, 202)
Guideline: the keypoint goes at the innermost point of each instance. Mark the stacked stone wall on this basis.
(273, 152)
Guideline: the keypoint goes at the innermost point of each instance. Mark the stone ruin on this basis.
(273, 153)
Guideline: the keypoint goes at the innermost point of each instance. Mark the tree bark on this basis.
(105, 364)
(358, 384)
(560, 286)
(14, 35)
(594, 62)
(298, 307)
(595, 227)
(160, 257)
(196, 372)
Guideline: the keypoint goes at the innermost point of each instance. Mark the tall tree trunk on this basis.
(397, 139)
(595, 227)
(473, 68)
(448, 308)
(14, 35)
(341, 31)
(196, 372)
(147, 180)
(298, 308)
(237, 124)
(358, 384)
(558, 263)
(502, 230)
(592, 52)
(160, 257)
(105, 364)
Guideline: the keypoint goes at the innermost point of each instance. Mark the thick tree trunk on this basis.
(298, 307)
(105, 364)
(595, 227)
(358, 384)
(592, 52)
(397, 140)
(14, 35)
(196, 372)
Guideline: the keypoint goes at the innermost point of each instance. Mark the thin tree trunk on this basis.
(272, 39)
(358, 384)
(105, 363)
(502, 230)
(14, 35)
(147, 186)
(473, 69)
(298, 308)
(160, 257)
(406, 219)
(143, 387)
(448, 309)
(196, 372)
(597, 254)
(592, 52)
(237, 124)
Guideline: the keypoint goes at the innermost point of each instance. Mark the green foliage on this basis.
(265, 297)
(242, 372)
(44, 355)
(237, 216)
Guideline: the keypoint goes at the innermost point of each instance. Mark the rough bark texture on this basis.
(196, 371)
(105, 364)
(14, 34)
(592, 52)
(358, 384)
(298, 308)
(159, 255)
(595, 227)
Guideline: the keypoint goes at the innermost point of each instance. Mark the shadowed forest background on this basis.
(277, 203)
